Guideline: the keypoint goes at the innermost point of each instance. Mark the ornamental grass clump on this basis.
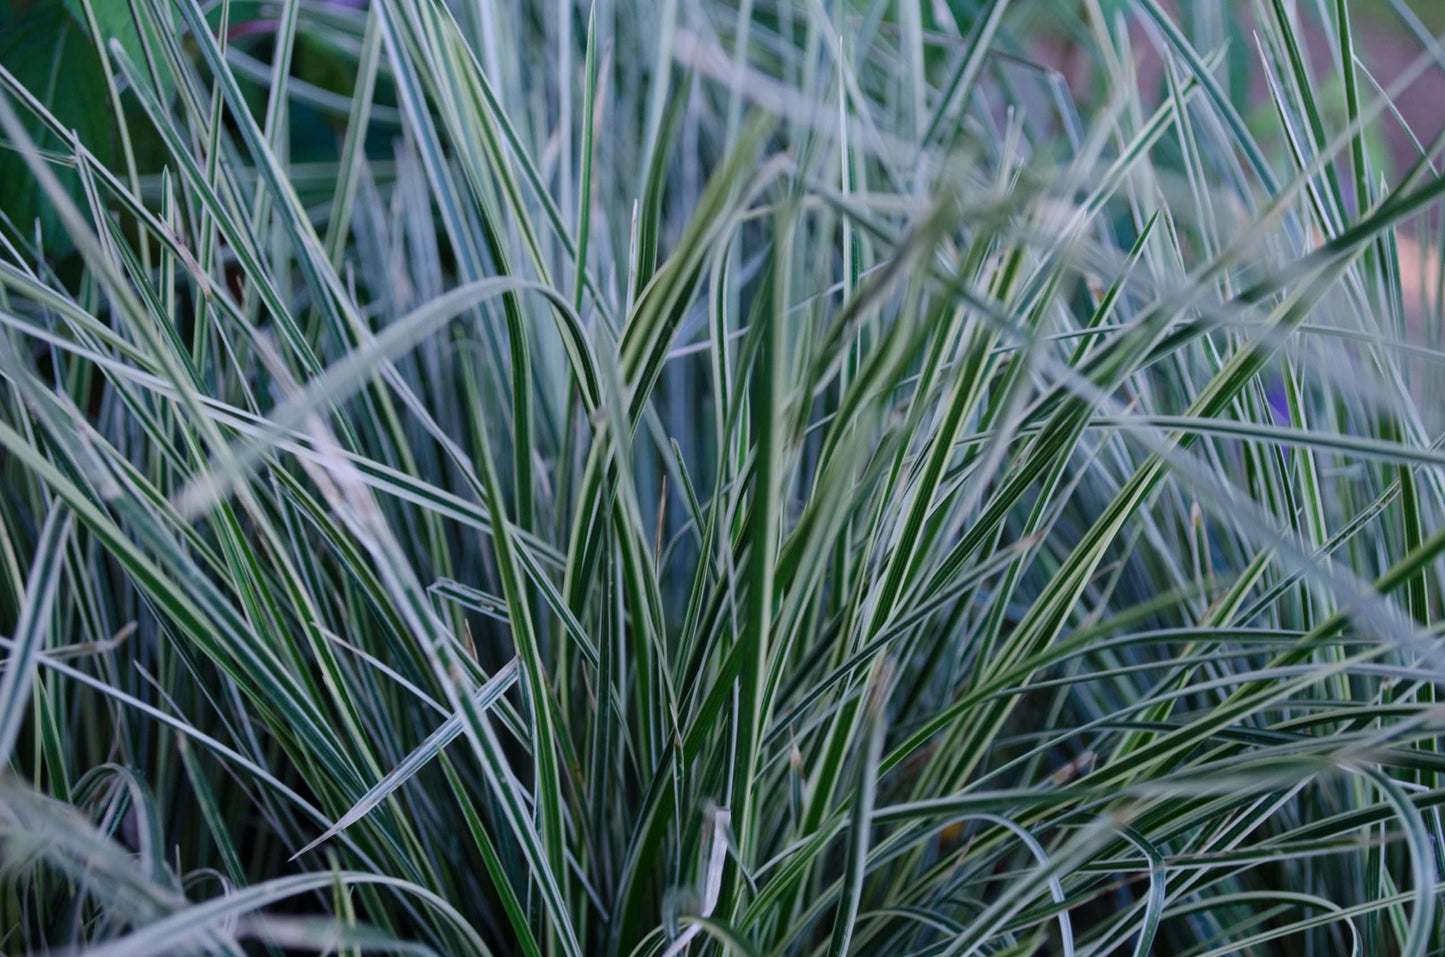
(657, 478)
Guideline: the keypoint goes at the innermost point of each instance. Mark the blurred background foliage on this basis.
(49, 46)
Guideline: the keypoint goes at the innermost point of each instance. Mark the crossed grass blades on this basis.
(680, 477)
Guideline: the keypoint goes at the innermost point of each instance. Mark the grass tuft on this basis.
(784, 477)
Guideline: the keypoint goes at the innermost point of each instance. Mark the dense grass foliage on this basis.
(677, 476)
